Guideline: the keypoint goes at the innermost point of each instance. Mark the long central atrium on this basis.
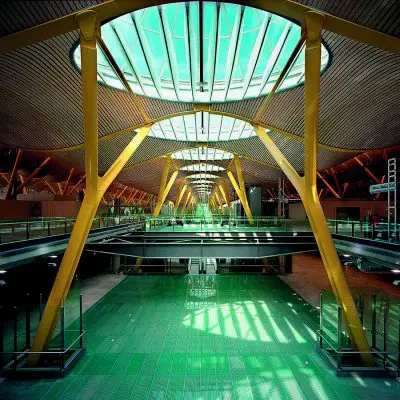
(199, 200)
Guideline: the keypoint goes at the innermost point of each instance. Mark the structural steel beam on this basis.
(122, 192)
(189, 194)
(330, 188)
(50, 187)
(367, 170)
(95, 186)
(224, 191)
(33, 174)
(282, 75)
(164, 187)
(307, 186)
(122, 78)
(240, 188)
(179, 197)
(68, 181)
(13, 174)
(77, 184)
(111, 9)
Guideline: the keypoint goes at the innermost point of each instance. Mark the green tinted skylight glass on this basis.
(202, 153)
(202, 127)
(243, 50)
(202, 167)
(202, 182)
(202, 176)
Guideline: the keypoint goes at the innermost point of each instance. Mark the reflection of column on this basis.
(115, 263)
(285, 264)
(254, 195)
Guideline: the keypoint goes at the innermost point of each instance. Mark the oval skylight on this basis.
(202, 167)
(240, 54)
(202, 153)
(202, 176)
(202, 127)
(202, 182)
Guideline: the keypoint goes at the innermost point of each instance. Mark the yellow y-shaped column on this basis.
(181, 192)
(95, 186)
(163, 184)
(224, 193)
(189, 194)
(307, 187)
(221, 208)
(240, 189)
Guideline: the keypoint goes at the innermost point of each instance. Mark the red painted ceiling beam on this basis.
(33, 174)
(13, 174)
(331, 189)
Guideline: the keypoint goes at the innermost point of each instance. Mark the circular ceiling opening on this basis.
(202, 176)
(202, 167)
(202, 153)
(237, 54)
(202, 127)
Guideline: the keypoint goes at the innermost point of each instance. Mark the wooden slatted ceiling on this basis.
(40, 102)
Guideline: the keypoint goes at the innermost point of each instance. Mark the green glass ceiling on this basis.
(219, 53)
(202, 167)
(202, 153)
(202, 176)
(202, 127)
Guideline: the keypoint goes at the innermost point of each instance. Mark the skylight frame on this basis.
(202, 153)
(202, 167)
(157, 70)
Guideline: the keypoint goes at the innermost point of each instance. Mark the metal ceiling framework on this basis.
(201, 51)
(314, 22)
(368, 80)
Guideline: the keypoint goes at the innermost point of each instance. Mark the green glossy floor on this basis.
(222, 337)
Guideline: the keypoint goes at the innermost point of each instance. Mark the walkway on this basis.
(201, 337)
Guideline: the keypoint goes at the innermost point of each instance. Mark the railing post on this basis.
(65, 224)
(27, 323)
(1, 334)
(48, 228)
(27, 230)
(81, 320)
(320, 320)
(352, 228)
(339, 338)
(40, 306)
(373, 323)
(385, 332)
(62, 334)
(15, 325)
(336, 226)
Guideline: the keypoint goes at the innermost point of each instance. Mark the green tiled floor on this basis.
(223, 337)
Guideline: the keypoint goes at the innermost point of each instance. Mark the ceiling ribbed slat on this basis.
(359, 97)
(381, 15)
(40, 97)
(18, 15)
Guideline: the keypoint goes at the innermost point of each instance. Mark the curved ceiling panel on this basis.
(200, 52)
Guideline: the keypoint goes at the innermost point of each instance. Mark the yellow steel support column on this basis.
(189, 194)
(221, 208)
(164, 194)
(224, 192)
(163, 184)
(307, 188)
(95, 186)
(181, 192)
(240, 189)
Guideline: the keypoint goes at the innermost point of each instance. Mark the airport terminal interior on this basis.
(200, 199)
